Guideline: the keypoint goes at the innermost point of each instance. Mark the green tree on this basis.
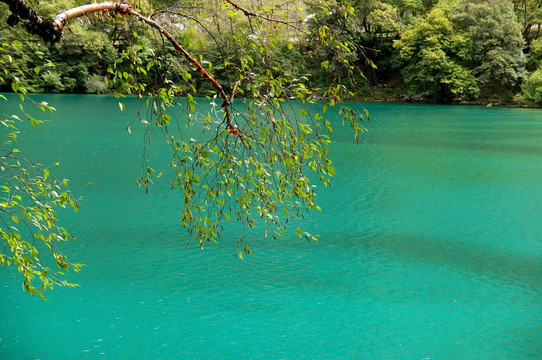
(263, 140)
(532, 88)
(408, 8)
(379, 24)
(535, 54)
(433, 56)
(496, 46)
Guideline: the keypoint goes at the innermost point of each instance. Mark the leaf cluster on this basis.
(29, 198)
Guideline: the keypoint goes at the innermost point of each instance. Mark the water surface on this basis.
(430, 248)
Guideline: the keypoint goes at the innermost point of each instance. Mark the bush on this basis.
(52, 82)
(532, 88)
(96, 85)
(535, 55)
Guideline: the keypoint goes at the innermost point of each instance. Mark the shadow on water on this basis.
(466, 146)
(479, 261)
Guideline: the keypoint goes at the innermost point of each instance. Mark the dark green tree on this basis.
(433, 57)
(532, 88)
(496, 46)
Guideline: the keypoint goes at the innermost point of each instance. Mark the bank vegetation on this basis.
(482, 51)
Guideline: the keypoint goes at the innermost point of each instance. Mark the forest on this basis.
(483, 51)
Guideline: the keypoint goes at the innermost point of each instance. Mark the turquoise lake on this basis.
(430, 248)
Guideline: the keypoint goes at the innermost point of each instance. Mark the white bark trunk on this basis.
(62, 18)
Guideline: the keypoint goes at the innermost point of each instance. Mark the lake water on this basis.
(430, 248)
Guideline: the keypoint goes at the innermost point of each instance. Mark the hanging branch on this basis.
(235, 88)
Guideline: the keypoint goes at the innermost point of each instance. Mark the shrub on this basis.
(96, 85)
(532, 88)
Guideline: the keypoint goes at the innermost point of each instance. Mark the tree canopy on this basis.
(434, 57)
(503, 37)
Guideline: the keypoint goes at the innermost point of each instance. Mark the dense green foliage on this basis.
(462, 47)
(434, 57)
(532, 88)
(453, 50)
(465, 49)
(497, 58)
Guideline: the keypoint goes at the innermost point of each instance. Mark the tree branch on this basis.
(235, 88)
(248, 13)
(51, 30)
(22, 12)
(191, 60)
(172, 12)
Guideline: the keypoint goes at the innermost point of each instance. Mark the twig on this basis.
(235, 88)
(248, 13)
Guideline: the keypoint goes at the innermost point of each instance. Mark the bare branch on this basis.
(248, 13)
(235, 88)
